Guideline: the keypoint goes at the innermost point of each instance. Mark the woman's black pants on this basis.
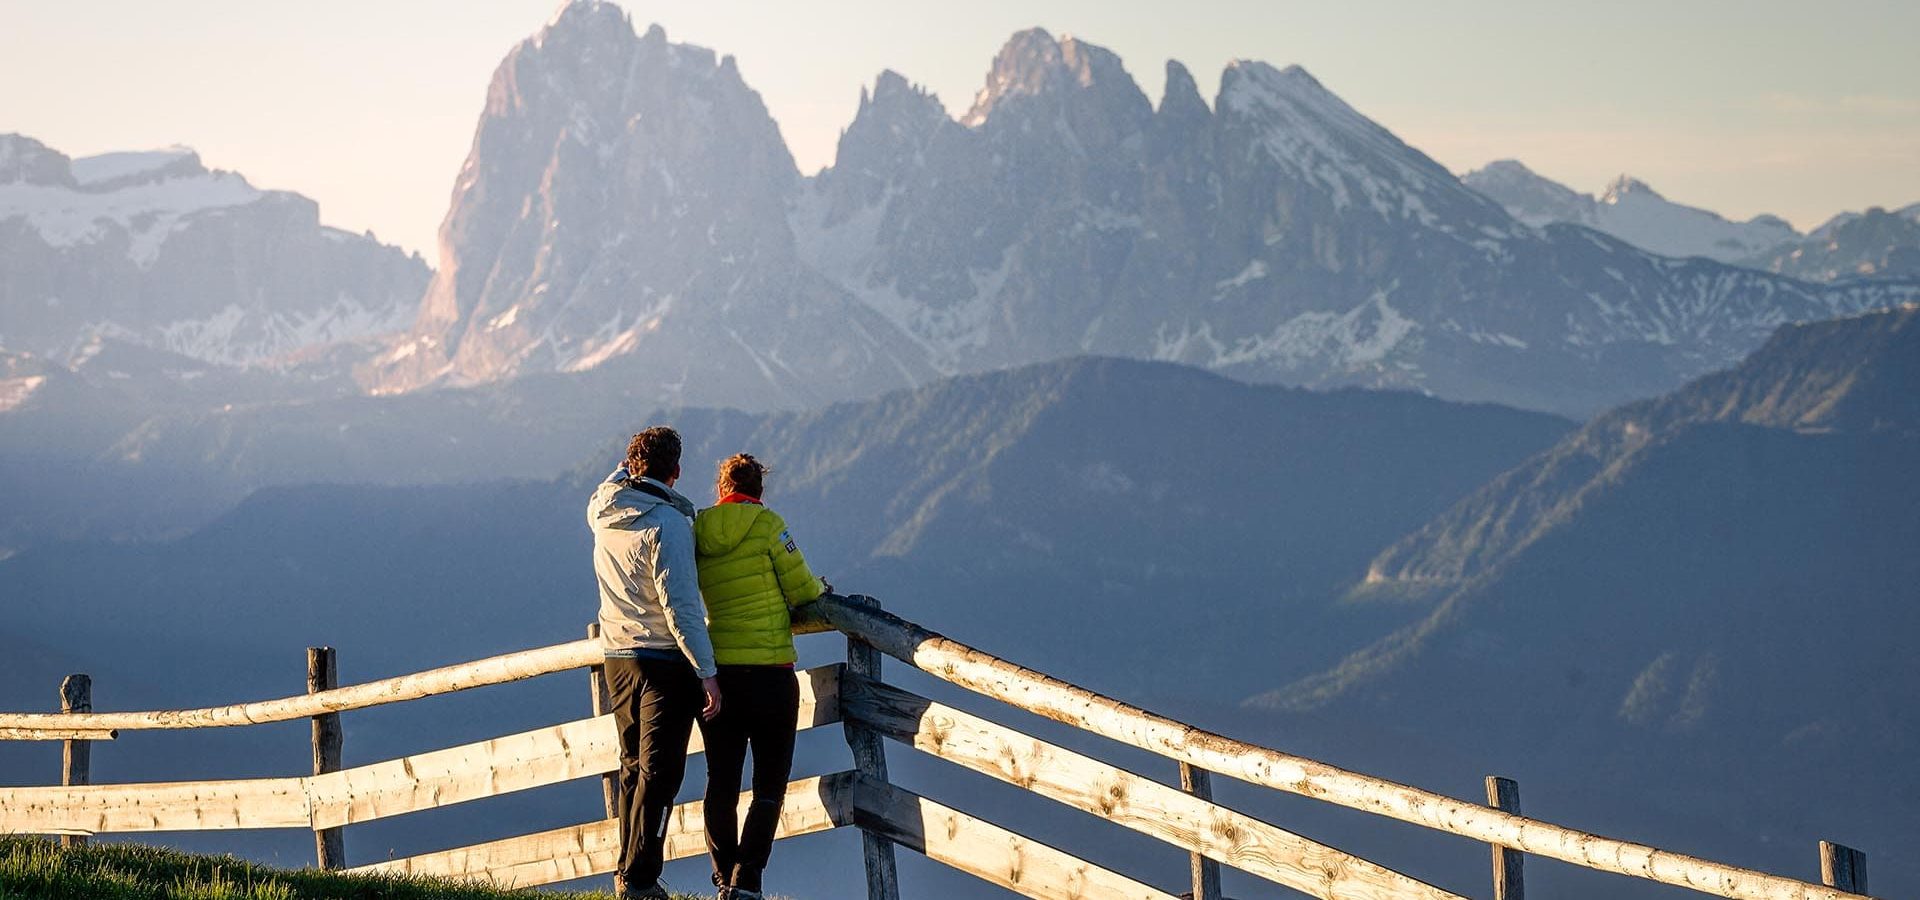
(759, 710)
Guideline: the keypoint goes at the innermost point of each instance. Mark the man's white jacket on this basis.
(643, 558)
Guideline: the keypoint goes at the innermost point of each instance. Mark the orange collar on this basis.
(740, 498)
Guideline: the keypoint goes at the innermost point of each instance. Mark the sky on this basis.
(368, 106)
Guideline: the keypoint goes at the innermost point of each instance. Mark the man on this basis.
(659, 660)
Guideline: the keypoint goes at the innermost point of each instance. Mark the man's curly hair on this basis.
(654, 453)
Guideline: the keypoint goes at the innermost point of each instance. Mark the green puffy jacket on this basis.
(751, 573)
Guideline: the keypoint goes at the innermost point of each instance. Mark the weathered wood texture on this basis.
(602, 704)
(180, 806)
(1509, 882)
(993, 854)
(1124, 798)
(448, 679)
(1044, 695)
(812, 805)
(57, 734)
(329, 844)
(809, 619)
(1197, 783)
(870, 761)
(1843, 867)
(76, 756)
(437, 778)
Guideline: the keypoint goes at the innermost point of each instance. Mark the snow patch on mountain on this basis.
(1255, 270)
(14, 392)
(237, 336)
(94, 170)
(1317, 135)
(152, 249)
(1365, 335)
(147, 213)
(1630, 210)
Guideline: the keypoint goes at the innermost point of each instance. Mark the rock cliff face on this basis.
(623, 211)
(153, 249)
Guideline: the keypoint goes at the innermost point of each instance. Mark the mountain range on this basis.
(629, 232)
(1871, 244)
(154, 249)
(628, 203)
(1714, 587)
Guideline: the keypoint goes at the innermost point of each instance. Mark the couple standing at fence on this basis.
(694, 620)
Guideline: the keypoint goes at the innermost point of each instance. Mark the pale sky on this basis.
(368, 106)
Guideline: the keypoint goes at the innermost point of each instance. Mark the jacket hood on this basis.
(616, 503)
(721, 528)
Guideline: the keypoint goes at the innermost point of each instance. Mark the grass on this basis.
(38, 869)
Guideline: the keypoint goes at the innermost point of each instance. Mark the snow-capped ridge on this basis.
(1624, 186)
(153, 249)
(133, 198)
(108, 170)
(1631, 210)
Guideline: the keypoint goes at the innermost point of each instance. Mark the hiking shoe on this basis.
(657, 892)
(734, 893)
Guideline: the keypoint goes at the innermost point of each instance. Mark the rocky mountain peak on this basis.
(1334, 149)
(1529, 196)
(24, 160)
(1625, 186)
(1182, 95)
(898, 102)
(624, 208)
(1034, 65)
(575, 18)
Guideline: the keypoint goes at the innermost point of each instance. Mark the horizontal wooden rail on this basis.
(986, 851)
(517, 762)
(57, 734)
(445, 680)
(812, 805)
(1044, 695)
(428, 780)
(1124, 798)
(464, 676)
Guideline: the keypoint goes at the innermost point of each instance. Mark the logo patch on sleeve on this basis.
(786, 539)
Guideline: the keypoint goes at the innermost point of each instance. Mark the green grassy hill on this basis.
(38, 869)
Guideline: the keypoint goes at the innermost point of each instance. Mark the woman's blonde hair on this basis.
(741, 474)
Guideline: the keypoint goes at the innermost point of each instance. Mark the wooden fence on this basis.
(871, 712)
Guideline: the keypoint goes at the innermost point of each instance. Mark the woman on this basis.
(751, 574)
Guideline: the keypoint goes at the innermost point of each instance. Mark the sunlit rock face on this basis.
(624, 212)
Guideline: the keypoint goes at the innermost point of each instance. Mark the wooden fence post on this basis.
(602, 704)
(76, 757)
(1206, 872)
(330, 848)
(1509, 882)
(1843, 867)
(870, 760)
